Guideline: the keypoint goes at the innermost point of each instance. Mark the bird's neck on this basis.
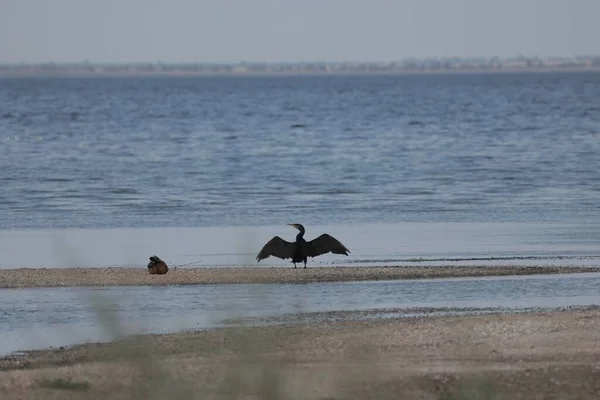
(299, 236)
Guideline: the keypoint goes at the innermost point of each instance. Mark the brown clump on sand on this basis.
(551, 355)
(53, 277)
(156, 266)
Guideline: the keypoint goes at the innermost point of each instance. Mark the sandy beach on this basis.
(552, 355)
(57, 277)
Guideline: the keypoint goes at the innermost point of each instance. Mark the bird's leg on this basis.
(304, 263)
(294, 264)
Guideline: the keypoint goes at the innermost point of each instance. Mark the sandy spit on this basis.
(114, 276)
(551, 355)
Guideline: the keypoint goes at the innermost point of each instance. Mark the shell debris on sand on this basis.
(118, 276)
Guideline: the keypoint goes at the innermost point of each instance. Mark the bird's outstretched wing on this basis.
(276, 247)
(325, 244)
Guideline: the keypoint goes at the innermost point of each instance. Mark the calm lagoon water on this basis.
(370, 244)
(42, 317)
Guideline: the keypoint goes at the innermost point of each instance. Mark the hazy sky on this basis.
(293, 30)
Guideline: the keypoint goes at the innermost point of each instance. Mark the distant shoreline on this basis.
(188, 74)
(118, 276)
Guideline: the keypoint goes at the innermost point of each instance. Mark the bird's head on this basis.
(297, 226)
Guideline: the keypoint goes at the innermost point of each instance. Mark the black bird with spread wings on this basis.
(300, 250)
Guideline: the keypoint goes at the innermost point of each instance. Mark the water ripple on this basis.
(494, 147)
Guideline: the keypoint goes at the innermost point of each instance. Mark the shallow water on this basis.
(42, 317)
(370, 244)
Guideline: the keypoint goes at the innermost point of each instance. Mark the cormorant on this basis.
(301, 249)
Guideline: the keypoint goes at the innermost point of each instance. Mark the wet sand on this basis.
(56, 277)
(552, 355)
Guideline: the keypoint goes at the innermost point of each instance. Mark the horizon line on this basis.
(349, 61)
